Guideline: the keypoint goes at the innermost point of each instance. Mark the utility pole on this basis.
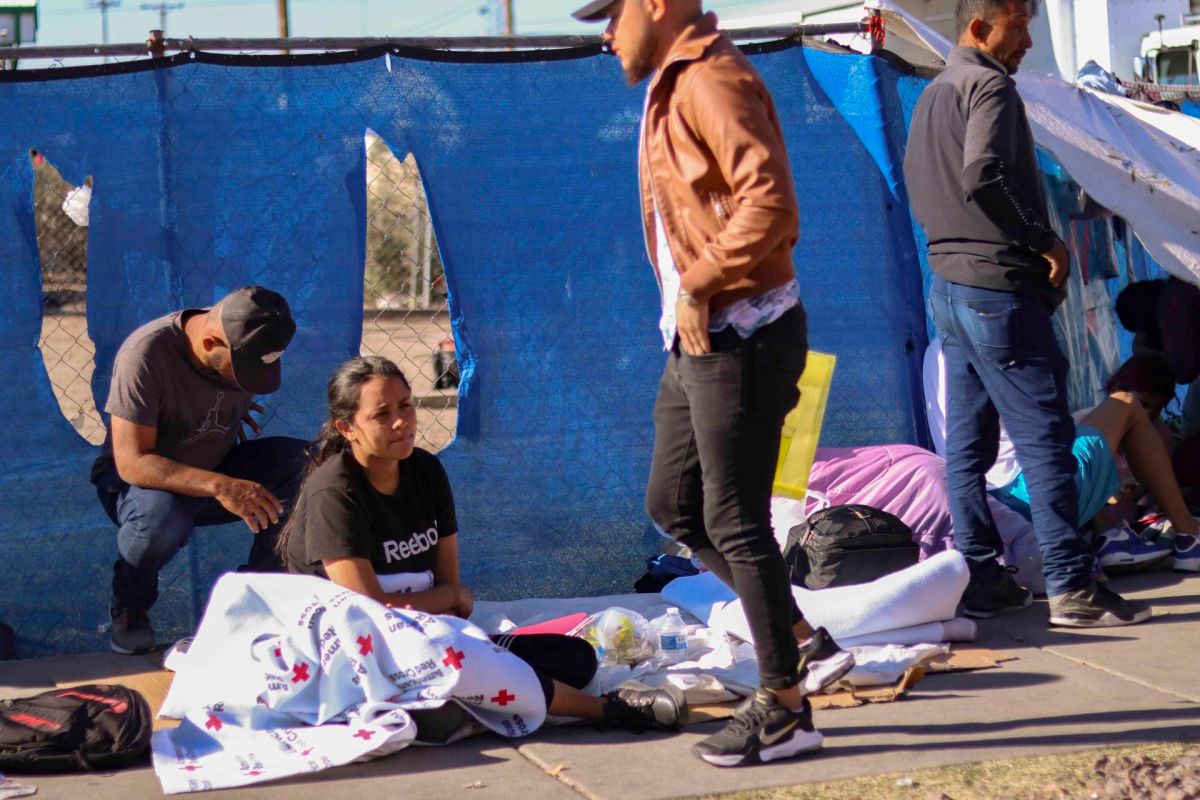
(281, 11)
(510, 22)
(163, 8)
(104, 6)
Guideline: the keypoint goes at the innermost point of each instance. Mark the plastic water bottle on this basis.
(672, 637)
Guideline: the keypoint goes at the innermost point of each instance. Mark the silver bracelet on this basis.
(688, 299)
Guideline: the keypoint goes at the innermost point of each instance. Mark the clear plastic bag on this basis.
(619, 635)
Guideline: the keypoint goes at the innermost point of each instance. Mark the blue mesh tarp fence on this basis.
(212, 172)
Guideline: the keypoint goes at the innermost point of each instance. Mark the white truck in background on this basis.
(1170, 57)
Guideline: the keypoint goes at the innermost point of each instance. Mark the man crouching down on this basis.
(720, 218)
(182, 390)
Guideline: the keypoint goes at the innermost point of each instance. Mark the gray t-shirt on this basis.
(155, 383)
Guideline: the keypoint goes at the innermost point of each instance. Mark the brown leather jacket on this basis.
(713, 158)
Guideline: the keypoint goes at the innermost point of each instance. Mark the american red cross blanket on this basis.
(291, 674)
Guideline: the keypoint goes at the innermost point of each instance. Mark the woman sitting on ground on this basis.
(1124, 424)
(376, 515)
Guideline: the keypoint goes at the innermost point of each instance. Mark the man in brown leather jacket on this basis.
(721, 218)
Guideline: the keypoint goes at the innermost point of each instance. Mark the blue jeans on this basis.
(155, 525)
(1003, 362)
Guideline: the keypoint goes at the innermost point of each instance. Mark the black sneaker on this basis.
(636, 707)
(761, 730)
(992, 590)
(131, 632)
(1096, 606)
(822, 662)
(439, 725)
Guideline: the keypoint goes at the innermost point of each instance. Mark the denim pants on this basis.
(1003, 362)
(717, 423)
(155, 524)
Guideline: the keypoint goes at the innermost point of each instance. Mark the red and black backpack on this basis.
(87, 727)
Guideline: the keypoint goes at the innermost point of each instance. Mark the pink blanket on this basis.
(910, 482)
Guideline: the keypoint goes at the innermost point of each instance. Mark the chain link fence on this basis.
(60, 211)
(405, 316)
(405, 312)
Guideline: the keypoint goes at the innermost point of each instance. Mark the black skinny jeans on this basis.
(717, 423)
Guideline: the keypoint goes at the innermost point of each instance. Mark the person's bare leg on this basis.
(802, 630)
(570, 702)
(1129, 430)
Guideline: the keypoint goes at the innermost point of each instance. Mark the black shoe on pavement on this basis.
(1096, 606)
(992, 590)
(131, 632)
(636, 707)
(761, 730)
(439, 725)
(822, 662)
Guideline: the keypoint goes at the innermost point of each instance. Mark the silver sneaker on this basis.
(1096, 606)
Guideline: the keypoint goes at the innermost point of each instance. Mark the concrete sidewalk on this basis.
(1067, 691)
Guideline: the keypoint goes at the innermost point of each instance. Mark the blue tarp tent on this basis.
(210, 172)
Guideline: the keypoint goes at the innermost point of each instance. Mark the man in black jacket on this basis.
(972, 176)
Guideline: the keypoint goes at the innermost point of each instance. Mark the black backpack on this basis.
(80, 728)
(845, 545)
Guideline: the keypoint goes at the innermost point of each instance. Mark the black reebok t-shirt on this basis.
(339, 514)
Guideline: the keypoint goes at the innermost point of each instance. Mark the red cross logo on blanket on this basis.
(454, 658)
(278, 651)
(299, 672)
(213, 724)
(364, 645)
(254, 773)
(504, 698)
(364, 734)
(306, 752)
(190, 768)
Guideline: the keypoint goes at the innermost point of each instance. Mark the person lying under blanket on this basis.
(376, 515)
(910, 482)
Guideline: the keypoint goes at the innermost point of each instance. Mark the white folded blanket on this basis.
(923, 593)
(958, 629)
(291, 674)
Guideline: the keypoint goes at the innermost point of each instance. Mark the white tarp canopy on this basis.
(1136, 159)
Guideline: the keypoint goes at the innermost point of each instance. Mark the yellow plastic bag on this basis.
(802, 427)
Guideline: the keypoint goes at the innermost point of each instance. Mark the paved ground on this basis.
(1067, 691)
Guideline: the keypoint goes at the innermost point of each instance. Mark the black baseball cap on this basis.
(593, 11)
(258, 324)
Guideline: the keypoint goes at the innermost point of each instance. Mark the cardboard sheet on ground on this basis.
(155, 682)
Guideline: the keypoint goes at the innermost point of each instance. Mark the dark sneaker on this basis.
(131, 632)
(992, 590)
(1186, 549)
(439, 725)
(822, 662)
(636, 707)
(1096, 606)
(761, 730)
